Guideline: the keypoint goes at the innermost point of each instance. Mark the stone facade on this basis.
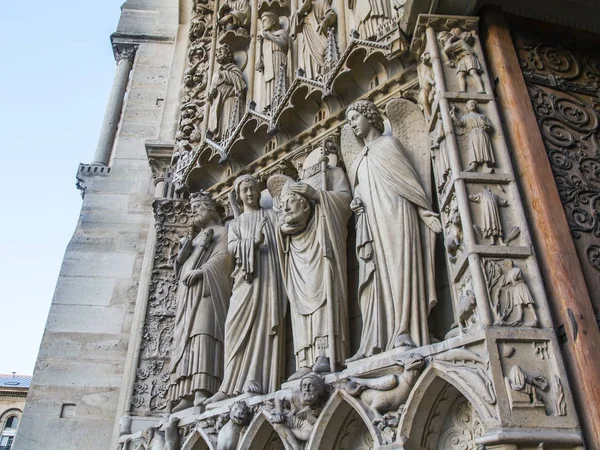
(385, 289)
(13, 393)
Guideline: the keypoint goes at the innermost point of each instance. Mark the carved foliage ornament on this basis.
(173, 218)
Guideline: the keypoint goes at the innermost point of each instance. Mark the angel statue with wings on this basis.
(396, 225)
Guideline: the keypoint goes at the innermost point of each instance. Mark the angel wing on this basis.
(409, 127)
(351, 147)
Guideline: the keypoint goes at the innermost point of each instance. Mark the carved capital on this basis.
(159, 158)
(124, 51)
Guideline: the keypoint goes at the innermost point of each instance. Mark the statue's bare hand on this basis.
(259, 237)
(305, 190)
(366, 252)
(431, 220)
(357, 206)
(192, 277)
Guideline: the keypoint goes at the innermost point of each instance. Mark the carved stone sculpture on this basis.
(439, 155)
(312, 251)
(426, 83)
(509, 294)
(387, 394)
(478, 127)
(458, 51)
(312, 21)
(453, 225)
(523, 389)
(370, 15)
(172, 435)
(235, 15)
(490, 226)
(202, 267)
(296, 421)
(227, 94)
(274, 45)
(395, 230)
(230, 435)
(254, 325)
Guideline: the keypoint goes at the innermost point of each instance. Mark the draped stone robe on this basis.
(369, 15)
(275, 56)
(254, 335)
(200, 317)
(313, 265)
(314, 44)
(396, 286)
(228, 106)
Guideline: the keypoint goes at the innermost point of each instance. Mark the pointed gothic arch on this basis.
(344, 419)
(436, 396)
(261, 435)
(198, 440)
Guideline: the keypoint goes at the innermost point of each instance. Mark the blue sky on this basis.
(55, 76)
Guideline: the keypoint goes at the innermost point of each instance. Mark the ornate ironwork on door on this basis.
(563, 80)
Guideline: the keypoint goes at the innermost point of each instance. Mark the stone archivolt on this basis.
(418, 380)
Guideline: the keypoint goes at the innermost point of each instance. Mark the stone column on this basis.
(124, 55)
(568, 295)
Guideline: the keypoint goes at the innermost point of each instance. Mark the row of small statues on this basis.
(313, 23)
(229, 339)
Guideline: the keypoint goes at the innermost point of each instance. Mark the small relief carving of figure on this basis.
(254, 337)
(312, 21)
(426, 82)
(369, 16)
(478, 127)
(517, 294)
(274, 45)
(509, 293)
(232, 432)
(453, 226)
(295, 422)
(395, 228)
(202, 267)
(195, 81)
(525, 388)
(386, 395)
(227, 94)
(235, 15)
(457, 47)
(491, 225)
(312, 251)
(439, 154)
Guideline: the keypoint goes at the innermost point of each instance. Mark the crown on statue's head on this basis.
(202, 198)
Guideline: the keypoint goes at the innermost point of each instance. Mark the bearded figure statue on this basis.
(294, 418)
(202, 267)
(311, 239)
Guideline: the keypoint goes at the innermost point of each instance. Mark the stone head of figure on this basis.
(507, 264)
(269, 21)
(426, 58)
(312, 388)
(363, 116)
(224, 54)
(472, 106)
(240, 413)
(204, 210)
(295, 208)
(443, 37)
(247, 191)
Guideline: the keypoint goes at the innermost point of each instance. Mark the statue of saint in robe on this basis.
(254, 335)
(227, 94)
(312, 20)
(370, 15)
(274, 46)
(312, 249)
(395, 232)
(203, 267)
